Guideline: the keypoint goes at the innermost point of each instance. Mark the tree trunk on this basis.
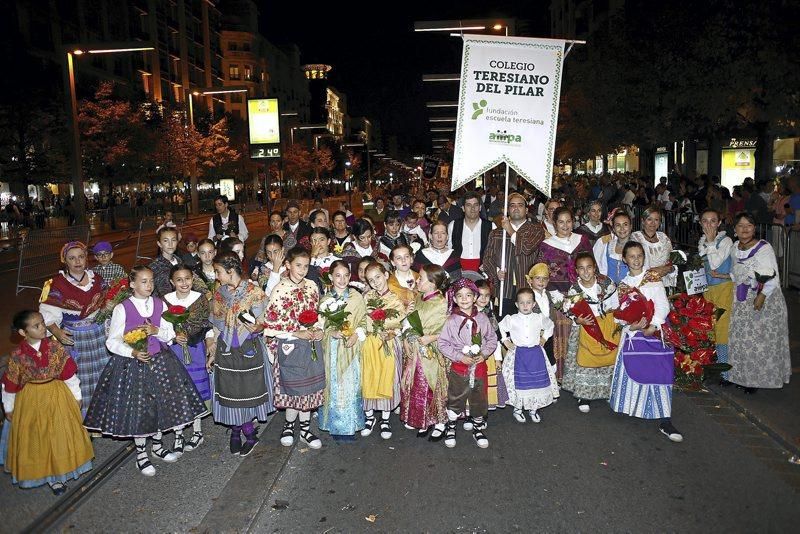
(765, 145)
(690, 163)
(714, 158)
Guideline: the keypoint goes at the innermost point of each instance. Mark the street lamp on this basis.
(70, 51)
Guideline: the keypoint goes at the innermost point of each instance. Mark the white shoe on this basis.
(386, 429)
(409, 427)
(450, 435)
(468, 426)
(519, 415)
(480, 439)
(287, 434)
(168, 457)
(535, 417)
(583, 406)
(145, 467)
(369, 424)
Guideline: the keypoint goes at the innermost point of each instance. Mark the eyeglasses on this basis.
(102, 254)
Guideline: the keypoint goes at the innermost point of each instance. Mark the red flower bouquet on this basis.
(379, 314)
(309, 318)
(634, 306)
(581, 308)
(114, 295)
(689, 329)
(177, 315)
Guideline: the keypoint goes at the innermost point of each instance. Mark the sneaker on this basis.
(248, 446)
(386, 429)
(583, 406)
(670, 431)
(145, 467)
(195, 441)
(468, 424)
(535, 417)
(58, 488)
(450, 435)
(163, 454)
(519, 415)
(480, 438)
(287, 435)
(369, 424)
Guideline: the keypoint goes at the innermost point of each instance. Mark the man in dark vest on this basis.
(470, 234)
(226, 222)
(294, 225)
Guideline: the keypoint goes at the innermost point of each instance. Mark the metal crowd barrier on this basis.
(40, 254)
(685, 231)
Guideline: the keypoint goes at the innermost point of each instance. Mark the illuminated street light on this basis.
(69, 54)
(441, 104)
(443, 129)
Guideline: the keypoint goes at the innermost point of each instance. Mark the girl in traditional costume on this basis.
(423, 382)
(47, 443)
(558, 252)
(205, 279)
(467, 340)
(528, 373)
(143, 390)
(68, 304)
(382, 355)
(592, 349)
(608, 249)
(342, 414)
(644, 371)
(759, 329)
(497, 393)
(715, 249)
(192, 353)
(299, 364)
(403, 280)
(241, 383)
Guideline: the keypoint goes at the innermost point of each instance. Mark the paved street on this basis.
(573, 472)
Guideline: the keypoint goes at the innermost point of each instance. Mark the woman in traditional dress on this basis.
(657, 246)
(47, 444)
(276, 219)
(68, 304)
(589, 364)
(715, 249)
(423, 382)
(608, 249)
(758, 345)
(594, 228)
(438, 253)
(342, 414)
(299, 366)
(192, 353)
(644, 371)
(382, 353)
(362, 244)
(205, 279)
(241, 383)
(321, 255)
(558, 252)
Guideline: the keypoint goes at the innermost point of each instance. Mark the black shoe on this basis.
(58, 488)
(750, 391)
(236, 441)
(670, 431)
(724, 383)
(423, 433)
(248, 446)
(436, 434)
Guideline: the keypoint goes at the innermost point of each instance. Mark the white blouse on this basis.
(116, 329)
(526, 330)
(762, 262)
(657, 254)
(717, 251)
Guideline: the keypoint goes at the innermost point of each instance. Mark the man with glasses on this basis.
(522, 244)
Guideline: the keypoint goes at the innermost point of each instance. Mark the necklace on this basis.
(745, 246)
(651, 238)
(79, 282)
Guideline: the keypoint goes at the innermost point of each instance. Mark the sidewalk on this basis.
(775, 411)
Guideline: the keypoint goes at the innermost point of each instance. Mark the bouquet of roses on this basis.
(333, 310)
(309, 318)
(473, 350)
(581, 308)
(379, 314)
(689, 328)
(177, 316)
(325, 276)
(633, 306)
(136, 338)
(115, 294)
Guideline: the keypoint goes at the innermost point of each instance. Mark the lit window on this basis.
(233, 72)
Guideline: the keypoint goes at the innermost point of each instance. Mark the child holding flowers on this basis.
(644, 372)
(467, 339)
(143, 390)
(382, 353)
(188, 312)
(299, 366)
(592, 348)
(423, 383)
(403, 280)
(344, 311)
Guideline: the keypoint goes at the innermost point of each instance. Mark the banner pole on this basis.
(503, 248)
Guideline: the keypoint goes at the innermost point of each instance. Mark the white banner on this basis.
(508, 108)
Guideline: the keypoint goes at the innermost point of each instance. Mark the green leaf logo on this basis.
(478, 107)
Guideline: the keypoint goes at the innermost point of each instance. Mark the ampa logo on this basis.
(505, 138)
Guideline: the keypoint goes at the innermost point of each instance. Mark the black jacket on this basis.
(458, 232)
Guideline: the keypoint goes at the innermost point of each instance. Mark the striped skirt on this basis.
(230, 416)
(646, 401)
(90, 355)
(197, 367)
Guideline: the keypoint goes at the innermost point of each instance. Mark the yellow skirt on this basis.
(721, 295)
(491, 375)
(377, 369)
(591, 353)
(47, 436)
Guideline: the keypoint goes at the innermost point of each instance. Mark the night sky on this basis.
(378, 60)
